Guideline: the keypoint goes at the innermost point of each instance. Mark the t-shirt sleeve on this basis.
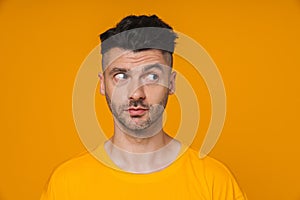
(56, 188)
(221, 182)
(48, 192)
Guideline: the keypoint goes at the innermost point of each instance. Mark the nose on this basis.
(138, 93)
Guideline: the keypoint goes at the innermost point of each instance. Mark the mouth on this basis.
(137, 111)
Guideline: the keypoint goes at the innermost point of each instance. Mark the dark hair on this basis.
(139, 33)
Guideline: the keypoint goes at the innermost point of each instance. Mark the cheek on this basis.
(155, 94)
(116, 94)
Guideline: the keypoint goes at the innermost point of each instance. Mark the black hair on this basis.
(139, 33)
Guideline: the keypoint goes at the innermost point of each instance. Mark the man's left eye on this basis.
(152, 77)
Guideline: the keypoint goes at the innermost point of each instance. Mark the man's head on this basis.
(138, 33)
(137, 72)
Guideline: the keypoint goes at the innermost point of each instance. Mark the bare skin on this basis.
(137, 85)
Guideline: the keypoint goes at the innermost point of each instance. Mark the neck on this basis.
(142, 155)
(130, 143)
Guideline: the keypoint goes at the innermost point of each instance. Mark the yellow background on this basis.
(256, 46)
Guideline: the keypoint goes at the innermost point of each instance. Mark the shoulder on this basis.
(217, 177)
(74, 173)
(75, 169)
(208, 164)
(78, 162)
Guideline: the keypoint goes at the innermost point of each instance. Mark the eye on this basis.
(120, 76)
(152, 77)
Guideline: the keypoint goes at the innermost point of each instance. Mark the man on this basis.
(142, 160)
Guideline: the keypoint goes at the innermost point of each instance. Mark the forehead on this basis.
(117, 57)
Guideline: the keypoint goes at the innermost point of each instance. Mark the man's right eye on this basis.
(120, 76)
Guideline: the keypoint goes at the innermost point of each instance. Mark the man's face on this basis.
(136, 86)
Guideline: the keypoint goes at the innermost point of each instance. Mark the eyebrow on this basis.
(117, 69)
(156, 66)
(146, 68)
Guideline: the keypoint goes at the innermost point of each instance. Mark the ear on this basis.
(172, 85)
(102, 83)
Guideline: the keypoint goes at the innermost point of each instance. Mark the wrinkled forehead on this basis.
(138, 40)
(118, 57)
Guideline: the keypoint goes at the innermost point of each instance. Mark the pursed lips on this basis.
(137, 111)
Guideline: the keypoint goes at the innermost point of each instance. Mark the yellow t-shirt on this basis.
(189, 177)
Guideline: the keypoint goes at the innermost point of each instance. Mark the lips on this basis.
(137, 112)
